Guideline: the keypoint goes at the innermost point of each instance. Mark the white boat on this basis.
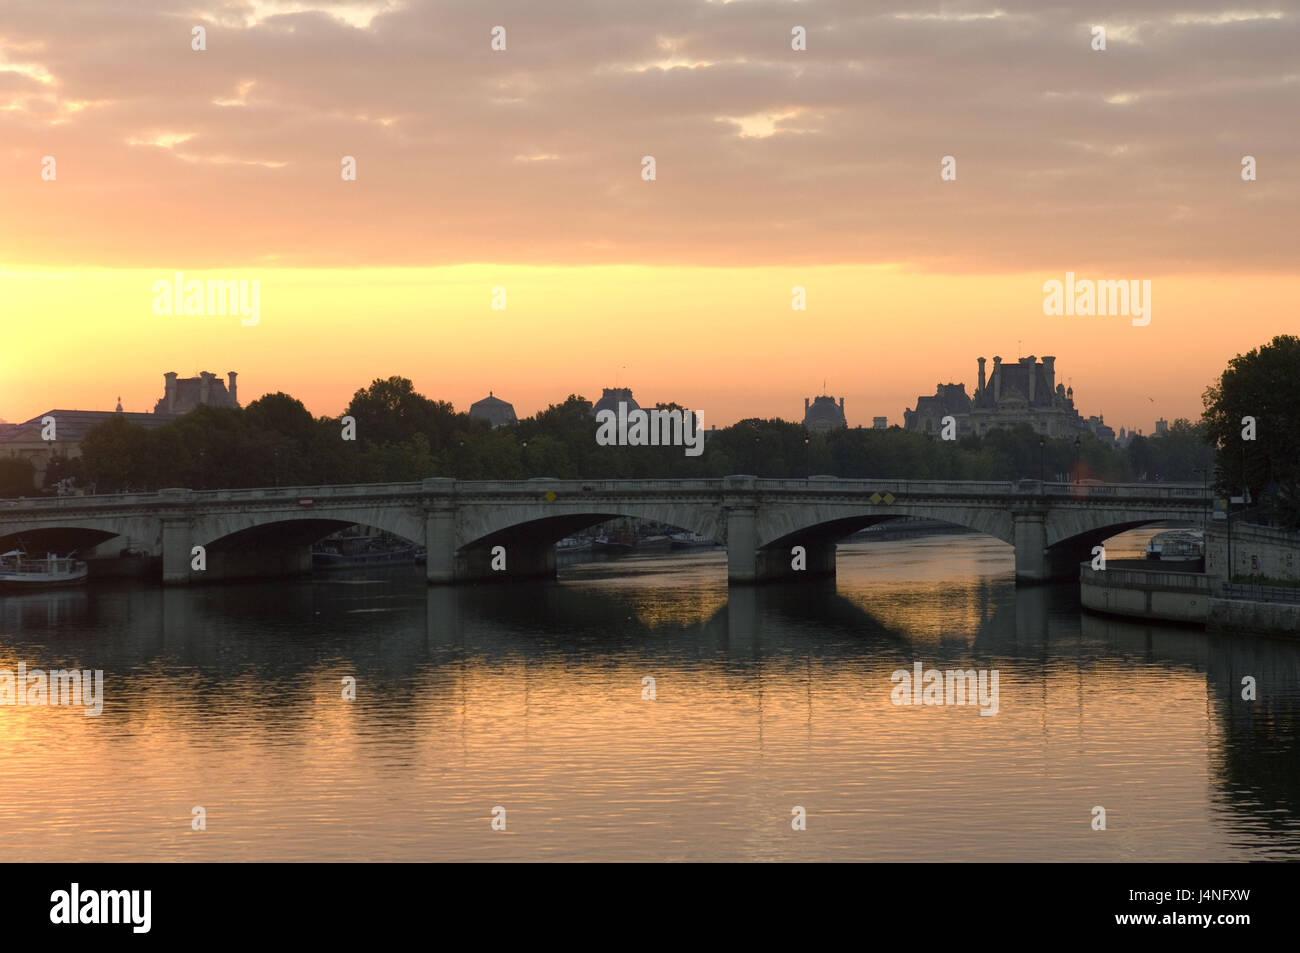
(19, 571)
(1177, 546)
(573, 544)
(691, 541)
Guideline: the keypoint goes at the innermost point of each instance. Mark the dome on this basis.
(824, 414)
(612, 397)
(494, 410)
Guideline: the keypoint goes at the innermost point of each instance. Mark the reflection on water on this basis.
(530, 698)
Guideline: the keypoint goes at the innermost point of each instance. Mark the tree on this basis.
(1262, 385)
(117, 455)
(17, 477)
(282, 415)
(392, 411)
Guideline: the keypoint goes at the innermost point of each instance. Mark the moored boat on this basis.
(573, 544)
(18, 571)
(614, 544)
(354, 551)
(1177, 546)
(691, 541)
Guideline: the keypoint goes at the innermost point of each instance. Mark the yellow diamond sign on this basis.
(875, 497)
(889, 497)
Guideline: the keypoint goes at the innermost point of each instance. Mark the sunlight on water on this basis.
(530, 698)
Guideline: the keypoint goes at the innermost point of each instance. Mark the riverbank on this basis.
(1190, 597)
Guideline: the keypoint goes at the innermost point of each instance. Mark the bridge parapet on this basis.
(808, 486)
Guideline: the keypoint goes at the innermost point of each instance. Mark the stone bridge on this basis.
(269, 531)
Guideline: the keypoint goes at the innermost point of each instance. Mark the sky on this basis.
(523, 170)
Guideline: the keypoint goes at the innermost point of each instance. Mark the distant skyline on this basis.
(522, 169)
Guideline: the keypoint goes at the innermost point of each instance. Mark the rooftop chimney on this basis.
(981, 387)
(231, 375)
(997, 378)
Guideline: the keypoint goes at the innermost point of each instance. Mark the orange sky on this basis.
(522, 169)
(724, 341)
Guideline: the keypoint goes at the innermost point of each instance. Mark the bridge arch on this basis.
(1068, 551)
(560, 519)
(269, 542)
(228, 531)
(82, 535)
(1073, 528)
(529, 539)
(826, 523)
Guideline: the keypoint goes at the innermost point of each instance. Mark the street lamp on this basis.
(1205, 489)
(1078, 446)
(1041, 472)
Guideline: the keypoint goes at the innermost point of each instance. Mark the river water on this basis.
(531, 699)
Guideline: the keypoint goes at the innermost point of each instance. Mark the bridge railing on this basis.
(208, 496)
(1180, 492)
(1242, 590)
(1150, 491)
(72, 502)
(1144, 578)
(542, 484)
(896, 487)
(344, 491)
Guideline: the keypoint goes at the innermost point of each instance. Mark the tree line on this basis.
(402, 435)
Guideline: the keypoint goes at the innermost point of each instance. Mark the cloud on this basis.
(1066, 157)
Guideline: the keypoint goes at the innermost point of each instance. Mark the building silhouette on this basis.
(182, 396)
(497, 412)
(822, 414)
(612, 397)
(26, 440)
(1025, 392)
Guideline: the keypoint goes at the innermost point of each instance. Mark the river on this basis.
(529, 704)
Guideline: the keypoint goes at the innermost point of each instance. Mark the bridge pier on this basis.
(440, 544)
(742, 532)
(775, 564)
(176, 545)
(1031, 548)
